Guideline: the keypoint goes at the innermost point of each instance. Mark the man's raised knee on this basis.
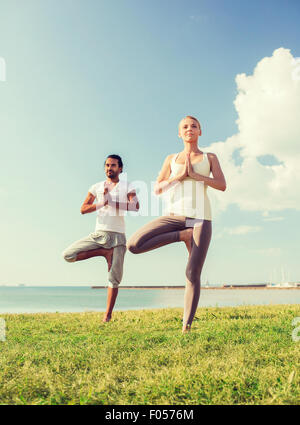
(68, 257)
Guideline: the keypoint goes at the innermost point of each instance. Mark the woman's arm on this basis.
(164, 182)
(218, 181)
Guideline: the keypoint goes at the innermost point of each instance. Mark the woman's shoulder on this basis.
(170, 157)
(211, 155)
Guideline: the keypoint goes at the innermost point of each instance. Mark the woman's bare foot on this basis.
(106, 318)
(186, 236)
(186, 329)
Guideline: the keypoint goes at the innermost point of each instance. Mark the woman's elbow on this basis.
(221, 185)
(156, 189)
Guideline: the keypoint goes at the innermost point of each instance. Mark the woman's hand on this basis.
(190, 170)
(184, 172)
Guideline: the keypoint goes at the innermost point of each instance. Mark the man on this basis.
(113, 197)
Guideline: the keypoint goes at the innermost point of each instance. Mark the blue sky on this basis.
(88, 78)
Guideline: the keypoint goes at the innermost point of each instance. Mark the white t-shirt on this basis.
(108, 217)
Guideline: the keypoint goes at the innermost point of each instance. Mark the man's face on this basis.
(112, 169)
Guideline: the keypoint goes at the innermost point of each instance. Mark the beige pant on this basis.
(102, 239)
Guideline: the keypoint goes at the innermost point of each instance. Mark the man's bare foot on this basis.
(186, 236)
(106, 318)
(101, 252)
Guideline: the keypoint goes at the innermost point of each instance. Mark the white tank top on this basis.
(189, 198)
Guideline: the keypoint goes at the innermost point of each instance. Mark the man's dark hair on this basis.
(120, 163)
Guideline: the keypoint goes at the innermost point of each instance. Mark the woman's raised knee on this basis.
(132, 247)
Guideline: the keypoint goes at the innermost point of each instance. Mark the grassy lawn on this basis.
(242, 355)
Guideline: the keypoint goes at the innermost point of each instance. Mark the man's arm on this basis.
(88, 205)
(132, 203)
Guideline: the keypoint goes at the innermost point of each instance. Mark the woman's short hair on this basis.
(193, 118)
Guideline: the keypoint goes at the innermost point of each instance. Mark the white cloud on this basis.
(268, 106)
(239, 230)
(270, 252)
(273, 219)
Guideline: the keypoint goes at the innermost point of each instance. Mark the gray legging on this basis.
(165, 230)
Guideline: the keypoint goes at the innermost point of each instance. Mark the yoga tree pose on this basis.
(113, 197)
(184, 178)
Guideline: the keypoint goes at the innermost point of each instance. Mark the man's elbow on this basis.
(82, 210)
(223, 187)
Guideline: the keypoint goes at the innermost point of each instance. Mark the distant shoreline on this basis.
(170, 287)
(202, 287)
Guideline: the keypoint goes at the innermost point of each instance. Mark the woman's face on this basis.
(189, 130)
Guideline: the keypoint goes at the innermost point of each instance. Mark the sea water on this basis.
(34, 299)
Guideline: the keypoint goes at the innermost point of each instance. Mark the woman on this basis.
(184, 178)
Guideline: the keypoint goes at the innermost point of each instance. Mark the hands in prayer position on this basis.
(187, 170)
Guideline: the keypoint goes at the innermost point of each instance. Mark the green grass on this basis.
(243, 355)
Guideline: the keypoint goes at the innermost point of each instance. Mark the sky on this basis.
(81, 80)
